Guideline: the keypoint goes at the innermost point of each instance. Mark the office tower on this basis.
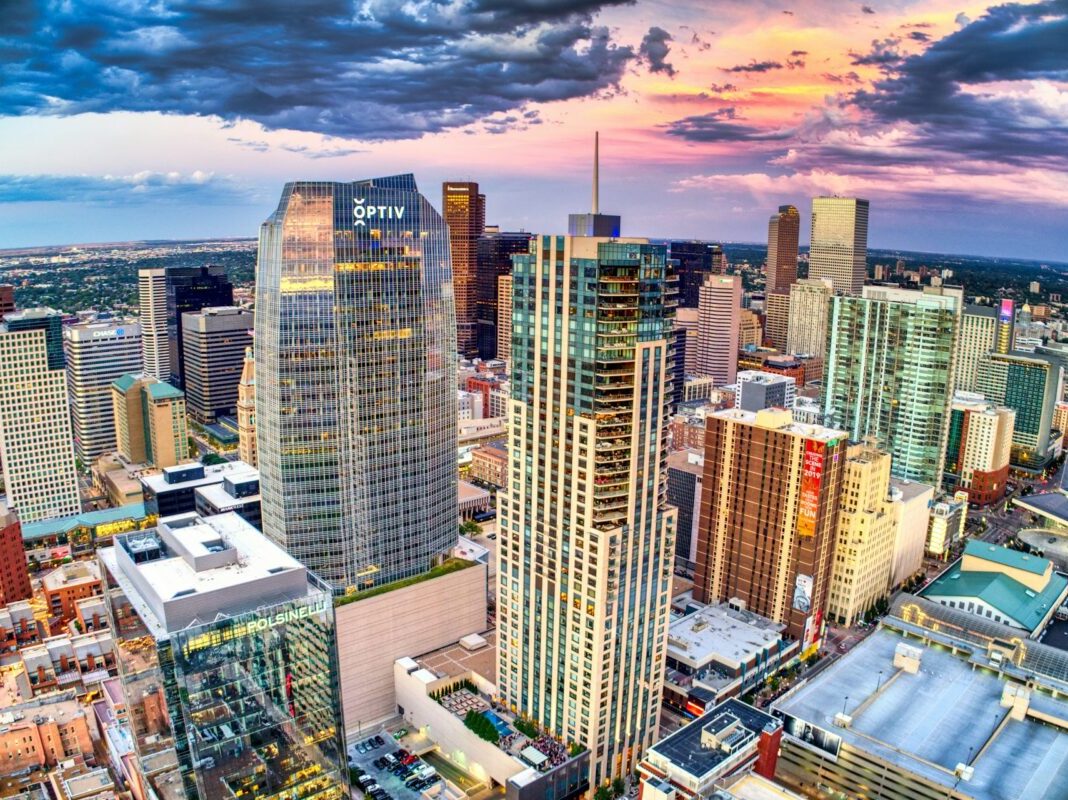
(97, 353)
(504, 317)
(246, 411)
(810, 302)
(214, 341)
(594, 223)
(150, 424)
(718, 327)
(7, 299)
(356, 380)
(155, 349)
(1030, 384)
(35, 430)
(750, 330)
(839, 245)
(777, 320)
(1003, 342)
(14, 574)
(685, 473)
(978, 336)
(772, 553)
(227, 663)
(863, 557)
(783, 231)
(678, 367)
(494, 261)
(689, 320)
(586, 540)
(910, 504)
(889, 374)
(696, 261)
(756, 390)
(464, 210)
(979, 448)
(191, 289)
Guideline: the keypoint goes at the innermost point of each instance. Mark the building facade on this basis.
(7, 299)
(978, 336)
(719, 327)
(979, 448)
(769, 513)
(356, 380)
(214, 341)
(464, 210)
(586, 535)
(696, 261)
(777, 320)
(685, 473)
(757, 390)
(152, 296)
(97, 354)
(191, 289)
(150, 422)
(784, 228)
(889, 374)
(493, 290)
(839, 244)
(246, 411)
(36, 450)
(504, 317)
(14, 576)
(810, 305)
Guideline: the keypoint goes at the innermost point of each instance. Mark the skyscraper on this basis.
(696, 261)
(978, 336)
(771, 551)
(97, 353)
(35, 430)
(783, 231)
(155, 350)
(215, 339)
(839, 246)
(806, 330)
(889, 374)
(719, 327)
(246, 411)
(504, 316)
(464, 210)
(356, 380)
(979, 448)
(777, 319)
(595, 223)
(150, 422)
(586, 540)
(191, 289)
(7, 299)
(1006, 330)
(494, 260)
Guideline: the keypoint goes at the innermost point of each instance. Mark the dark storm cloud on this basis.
(942, 90)
(884, 53)
(655, 49)
(199, 187)
(755, 66)
(368, 69)
(867, 10)
(722, 126)
(919, 36)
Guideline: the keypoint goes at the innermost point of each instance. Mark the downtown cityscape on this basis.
(461, 478)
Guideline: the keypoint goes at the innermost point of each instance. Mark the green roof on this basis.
(90, 519)
(124, 383)
(998, 591)
(163, 391)
(1006, 557)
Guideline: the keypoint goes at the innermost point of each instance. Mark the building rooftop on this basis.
(909, 489)
(218, 497)
(1006, 557)
(1051, 505)
(454, 659)
(999, 591)
(72, 574)
(235, 470)
(781, 420)
(468, 491)
(729, 635)
(125, 382)
(163, 391)
(944, 714)
(689, 460)
(88, 519)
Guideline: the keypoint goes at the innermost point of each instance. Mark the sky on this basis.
(180, 119)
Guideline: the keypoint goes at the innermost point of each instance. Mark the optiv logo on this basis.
(361, 212)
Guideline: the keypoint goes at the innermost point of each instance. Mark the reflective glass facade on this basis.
(355, 380)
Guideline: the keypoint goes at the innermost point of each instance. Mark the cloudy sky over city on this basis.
(123, 119)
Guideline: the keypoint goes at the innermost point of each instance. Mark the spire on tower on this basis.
(596, 170)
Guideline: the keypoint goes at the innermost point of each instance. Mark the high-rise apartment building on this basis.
(97, 354)
(784, 229)
(150, 422)
(191, 289)
(769, 510)
(494, 261)
(228, 664)
(839, 246)
(155, 349)
(356, 380)
(246, 411)
(719, 327)
(214, 340)
(1006, 330)
(586, 534)
(504, 316)
(979, 448)
(696, 261)
(777, 319)
(7, 299)
(864, 546)
(978, 336)
(464, 210)
(888, 377)
(36, 451)
(810, 303)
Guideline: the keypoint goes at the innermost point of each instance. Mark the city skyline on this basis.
(931, 111)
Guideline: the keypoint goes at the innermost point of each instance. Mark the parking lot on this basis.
(393, 785)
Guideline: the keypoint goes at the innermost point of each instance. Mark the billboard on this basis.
(808, 735)
(803, 593)
(811, 479)
(1005, 311)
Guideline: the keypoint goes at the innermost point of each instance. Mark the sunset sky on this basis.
(122, 119)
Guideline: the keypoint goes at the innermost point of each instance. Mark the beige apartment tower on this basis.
(155, 344)
(504, 317)
(777, 320)
(839, 246)
(810, 303)
(978, 336)
(150, 422)
(784, 229)
(587, 537)
(719, 327)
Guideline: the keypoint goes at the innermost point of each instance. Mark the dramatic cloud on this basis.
(722, 125)
(884, 53)
(755, 66)
(919, 36)
(374, 69)
(722, 88)
(655, 49)
(140, 187)
(867, 10)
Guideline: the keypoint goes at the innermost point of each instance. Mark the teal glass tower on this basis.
(355, 380)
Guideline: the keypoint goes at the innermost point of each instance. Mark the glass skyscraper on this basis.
(356, 380)
(191, 289)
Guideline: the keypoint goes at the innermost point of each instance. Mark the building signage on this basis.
(250, 627)
(811, 480)
(1005, 312)
(827, 744)
(362, 213)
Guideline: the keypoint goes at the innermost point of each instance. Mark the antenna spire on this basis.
(596, 171)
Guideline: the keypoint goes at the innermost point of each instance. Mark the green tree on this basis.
(469, 527)
(603, 793)
(618, 787)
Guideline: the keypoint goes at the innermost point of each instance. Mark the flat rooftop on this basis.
(781, 420)
(453, 659)
(722, 633)
(90, 519)
(217, 495)
(943, 715)
(213, 474)
(909, 489)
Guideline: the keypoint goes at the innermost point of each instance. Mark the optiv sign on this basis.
(362, 213)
